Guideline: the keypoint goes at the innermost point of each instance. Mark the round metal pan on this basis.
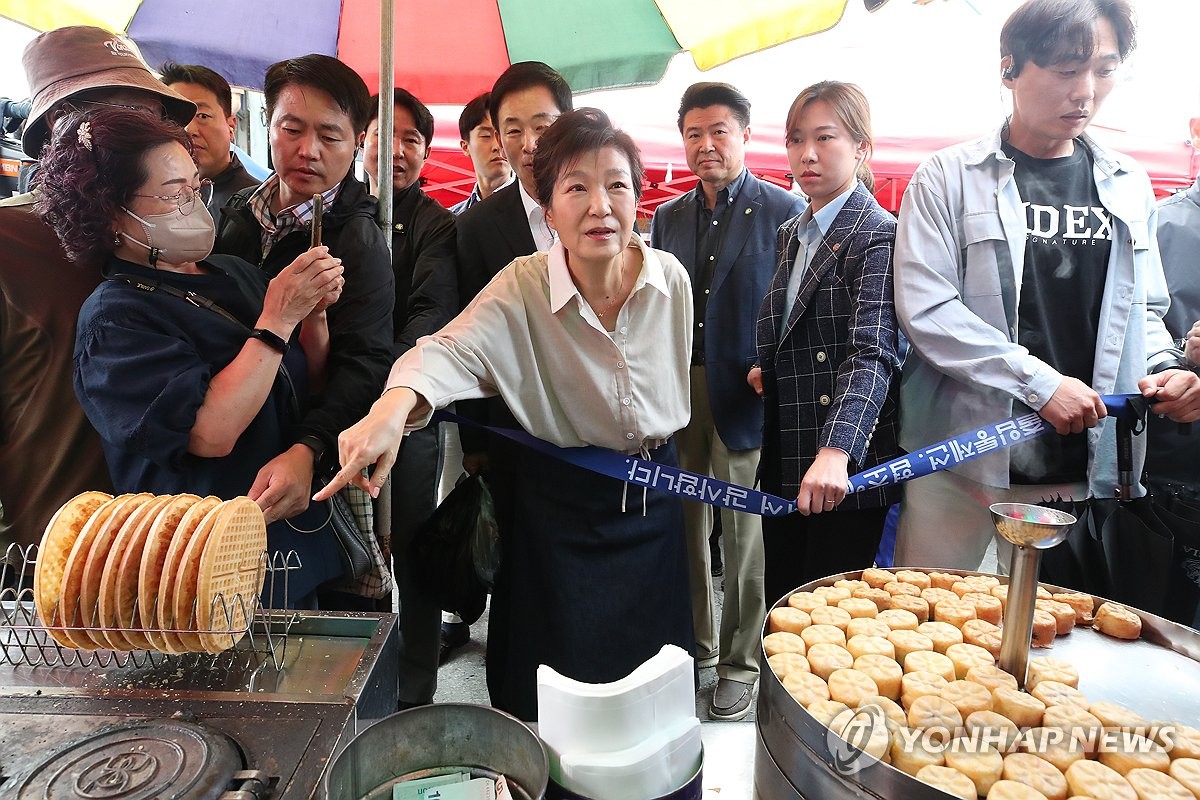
(437, 740)
(1157, 676)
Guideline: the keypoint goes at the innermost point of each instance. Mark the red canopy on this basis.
(449, 176)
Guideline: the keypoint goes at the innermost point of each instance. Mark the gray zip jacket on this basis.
(960, 249)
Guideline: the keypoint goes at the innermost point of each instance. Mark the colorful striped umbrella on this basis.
(446, 51)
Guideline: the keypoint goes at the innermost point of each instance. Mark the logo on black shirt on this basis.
(1067, 224)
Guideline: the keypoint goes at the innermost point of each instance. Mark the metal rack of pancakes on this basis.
(1091, 681)
(172, 573)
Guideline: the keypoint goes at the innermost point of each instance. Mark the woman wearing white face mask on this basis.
(190, 366)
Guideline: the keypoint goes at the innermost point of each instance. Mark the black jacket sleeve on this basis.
(360, 333)
(433, 300)
(473, 271)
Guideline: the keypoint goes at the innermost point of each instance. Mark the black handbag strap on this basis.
(195, 298)
(200, 301)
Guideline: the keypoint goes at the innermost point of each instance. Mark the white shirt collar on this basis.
(527, 200)
(563, 288)
(543, 237)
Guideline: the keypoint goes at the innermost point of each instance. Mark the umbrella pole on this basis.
(387, 83)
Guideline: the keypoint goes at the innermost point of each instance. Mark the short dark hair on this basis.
(85, 179)
(526, 75)
(327, 74)
(408, 101)
(703, 95)
(584, 130)
(1049, 32)
(173, 73)
(473, 115)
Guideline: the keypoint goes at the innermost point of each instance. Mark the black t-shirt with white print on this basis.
(1069, 235)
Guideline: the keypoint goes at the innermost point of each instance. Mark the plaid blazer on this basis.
(832, 379)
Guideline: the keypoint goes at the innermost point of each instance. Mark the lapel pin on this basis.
(749, 210)
(836, 246)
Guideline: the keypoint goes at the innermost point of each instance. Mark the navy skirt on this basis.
(585, 587)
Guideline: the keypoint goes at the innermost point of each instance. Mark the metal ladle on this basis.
(1030, 529)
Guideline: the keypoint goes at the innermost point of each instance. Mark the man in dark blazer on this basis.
(424, 266)
(526, 100)
(724, 233)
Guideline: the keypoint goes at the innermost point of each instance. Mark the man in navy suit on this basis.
(724, 233)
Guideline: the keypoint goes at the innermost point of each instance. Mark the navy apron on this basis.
(589, 589)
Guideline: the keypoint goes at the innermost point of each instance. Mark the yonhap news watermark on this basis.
(859, 739)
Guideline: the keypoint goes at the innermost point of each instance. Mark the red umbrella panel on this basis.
(446, 51)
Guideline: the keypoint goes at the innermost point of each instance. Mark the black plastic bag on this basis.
(1182, 517)
(456, 552)
(1078, 563)
(1144, 552)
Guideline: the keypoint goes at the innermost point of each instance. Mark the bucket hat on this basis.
(65, 61)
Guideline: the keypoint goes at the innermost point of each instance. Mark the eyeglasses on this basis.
(186, 199)
(160, 109)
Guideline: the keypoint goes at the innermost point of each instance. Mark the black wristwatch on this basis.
(315, 444)
(270, 339)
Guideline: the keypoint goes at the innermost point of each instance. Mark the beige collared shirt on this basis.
(530, 337)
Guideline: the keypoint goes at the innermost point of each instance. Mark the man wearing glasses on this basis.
(50, 451)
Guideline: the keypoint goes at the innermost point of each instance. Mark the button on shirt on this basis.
(543, 236)
(530, 338)
(816, 225)
(711, 226)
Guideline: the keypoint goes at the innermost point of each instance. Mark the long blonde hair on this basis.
(853, 112)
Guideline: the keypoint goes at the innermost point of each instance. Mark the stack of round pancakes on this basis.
(174, 573)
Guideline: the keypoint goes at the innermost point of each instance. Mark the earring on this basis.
(116, 239)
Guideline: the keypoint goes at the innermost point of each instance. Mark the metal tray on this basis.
(1157, 676)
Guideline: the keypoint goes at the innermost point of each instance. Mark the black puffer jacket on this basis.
(360, 323)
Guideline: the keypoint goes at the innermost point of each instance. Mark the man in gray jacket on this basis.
(1172, 465)
(1028, 279)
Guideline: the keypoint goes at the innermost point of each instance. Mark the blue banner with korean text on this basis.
(951, 452)
(644, 472)
(954, 451)
(707, 489)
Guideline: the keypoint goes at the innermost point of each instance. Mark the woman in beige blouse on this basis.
(588, 344)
